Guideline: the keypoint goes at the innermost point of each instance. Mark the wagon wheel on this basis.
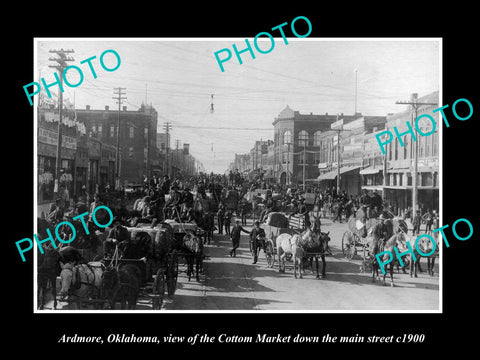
(158, 290)
(172, 273)
(348, 245)
(270, 253)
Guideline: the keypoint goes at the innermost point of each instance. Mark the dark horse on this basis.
(48, 266)
(379, 245)
(193, 249)
(320, 247)
(121, 284)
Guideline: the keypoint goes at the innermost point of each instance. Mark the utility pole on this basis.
(304, 161)
(61, 64)
(355, 113)
(177, 145)
(119, 92)
(414, 106)
(167, 127)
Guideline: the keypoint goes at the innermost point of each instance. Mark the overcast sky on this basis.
(315, 75)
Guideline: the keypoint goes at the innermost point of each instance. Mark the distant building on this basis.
(138, 137)
(305, 144)
(352, 132)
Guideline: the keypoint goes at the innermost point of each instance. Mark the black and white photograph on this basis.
(218, 179)
(267, 182)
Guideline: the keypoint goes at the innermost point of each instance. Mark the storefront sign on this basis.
(51, 137)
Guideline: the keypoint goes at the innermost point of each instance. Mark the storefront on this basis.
(46, 157)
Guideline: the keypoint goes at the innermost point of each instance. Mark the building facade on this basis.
(400, 160)
(297, 145)
(137, 138)
(87, 164)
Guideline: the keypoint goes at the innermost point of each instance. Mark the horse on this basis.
(297, 246)
(81, 282)
(206, 222)
(48, 266)
(425, 246)
(193, 248)
(379, 246)
(121, 283)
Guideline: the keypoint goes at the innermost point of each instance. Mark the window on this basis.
(316, 138)
(405, 147)
(302, 138)
(316, 158)
(284, 157)
(287, 137)
(146, 134)
(396, 149)
(435, 144)
(99, 130)
(131, 132)
(112, 130)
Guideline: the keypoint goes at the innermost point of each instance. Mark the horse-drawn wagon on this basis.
(288, 238)
(358, 236)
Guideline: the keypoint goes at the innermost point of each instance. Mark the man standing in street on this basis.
(235, 237)
(303, 210)
(220, 218)
(256, 233)
(417, 220)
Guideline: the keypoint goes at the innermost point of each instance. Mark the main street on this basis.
(237, 284)
(234, 283)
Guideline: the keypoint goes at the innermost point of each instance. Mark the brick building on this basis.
(138, 138)
(400, 160)
(301, 144)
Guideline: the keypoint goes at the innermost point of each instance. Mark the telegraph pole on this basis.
(167, 127)
(414, 106)
(177, 145)
(119, 92)
(304, 161)
(61, 64)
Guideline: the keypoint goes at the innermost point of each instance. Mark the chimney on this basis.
(88, 107)
(124, 108)
(107, 107)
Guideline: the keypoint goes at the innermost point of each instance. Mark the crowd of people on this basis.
(231, 199)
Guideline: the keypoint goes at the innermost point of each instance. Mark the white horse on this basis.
(81, 282)
(296, 246)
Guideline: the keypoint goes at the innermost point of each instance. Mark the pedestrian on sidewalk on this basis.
(235, 237)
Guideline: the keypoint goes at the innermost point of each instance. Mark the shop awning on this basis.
(370, 170)
(346, 169)
(331, 175)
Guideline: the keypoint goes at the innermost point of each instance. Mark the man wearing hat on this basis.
(117, 234)
(172, 203)
(56, 212)
(235, 237)
(256, 233)
(303, 210)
